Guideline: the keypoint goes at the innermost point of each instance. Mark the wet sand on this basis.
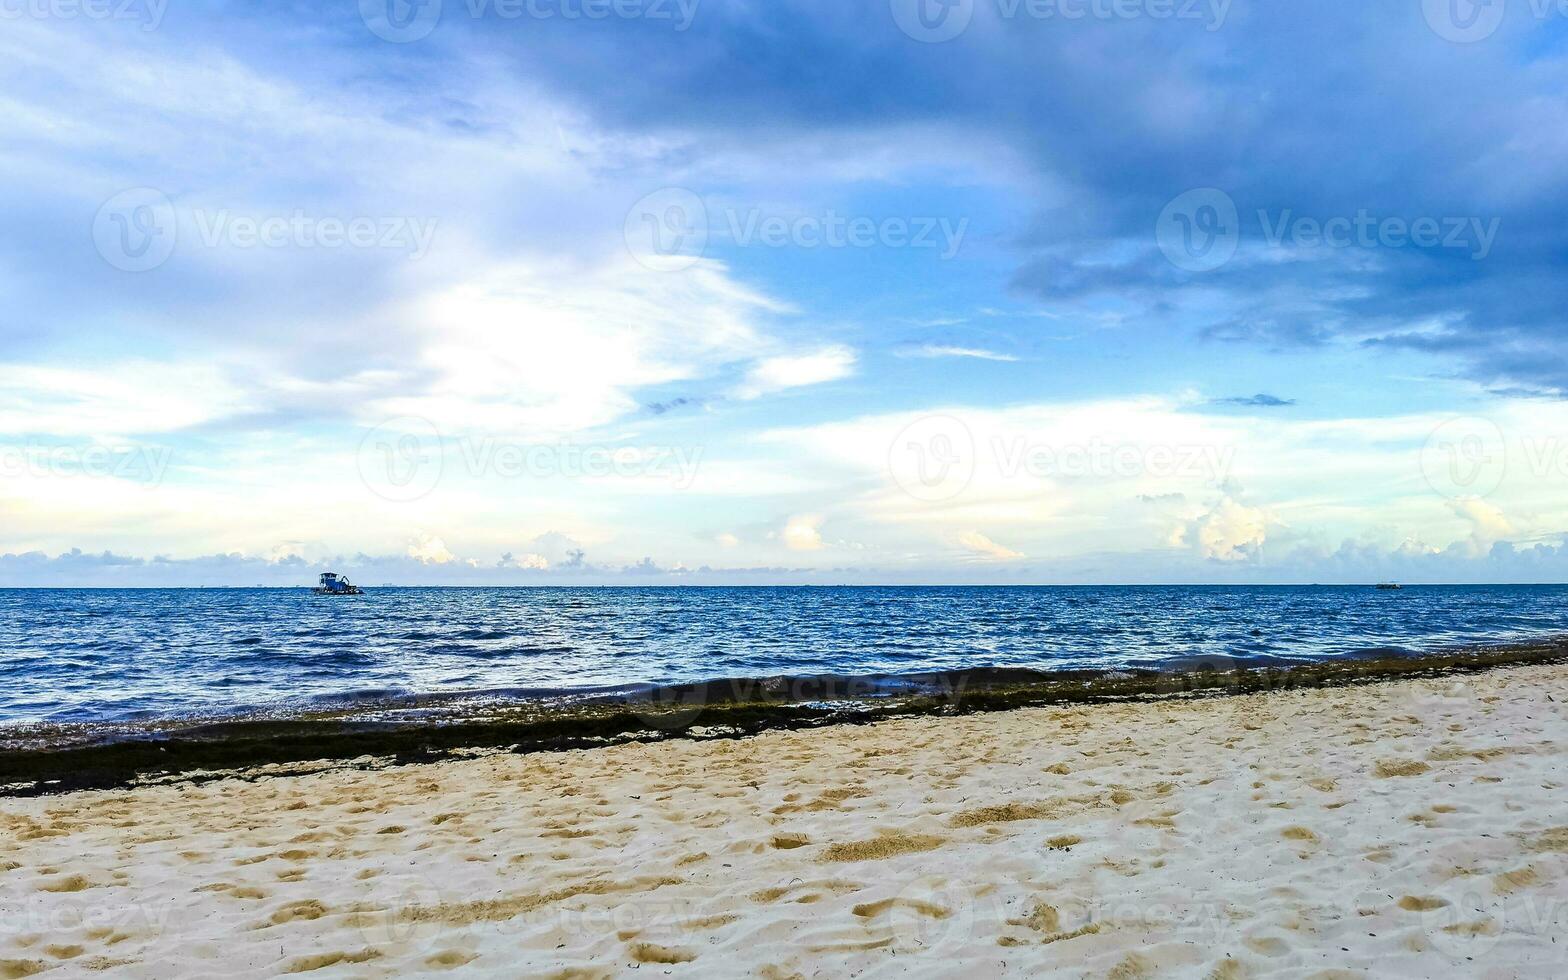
(1411, 828)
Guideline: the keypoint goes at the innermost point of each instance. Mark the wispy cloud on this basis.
(940, 350)
(1259, 400)
(785, 371)
(982, 546)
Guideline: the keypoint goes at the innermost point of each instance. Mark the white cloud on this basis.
(1226, 530)
(536, 352)
(115, 398)
(797, 370)
(802, 533)
(518, 323)
(430, 550)
(529, 562)
(939, 350)
(1027, 467)
(983, 546)
(1075, 478)
(1488, 523)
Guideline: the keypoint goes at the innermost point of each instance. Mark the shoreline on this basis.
(1407, 828)
(47, 760)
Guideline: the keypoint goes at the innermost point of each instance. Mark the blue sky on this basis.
(549, 291)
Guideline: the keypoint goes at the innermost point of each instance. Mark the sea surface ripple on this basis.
(126, 655)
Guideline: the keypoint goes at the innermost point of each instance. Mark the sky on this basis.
(777, 292)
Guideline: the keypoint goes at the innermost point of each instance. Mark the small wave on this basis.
(359, 696)
(481, 634)
(1377, 653)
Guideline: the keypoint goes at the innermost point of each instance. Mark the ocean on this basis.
(74, 656)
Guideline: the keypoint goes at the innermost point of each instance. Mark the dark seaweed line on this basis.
(242, 749)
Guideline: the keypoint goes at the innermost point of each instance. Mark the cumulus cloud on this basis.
(537, 351)
(980, 545)
(530, 560)
(786, 371)
(802, 532)
(430, 550)
(1488, 523)
(1226, 530)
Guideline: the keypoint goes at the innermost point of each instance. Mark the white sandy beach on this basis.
(1412, 829)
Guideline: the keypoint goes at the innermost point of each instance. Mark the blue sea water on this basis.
(122, 655)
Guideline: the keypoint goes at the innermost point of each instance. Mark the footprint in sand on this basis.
(832, 886)
(654, 953)
(308, 910)
(450, 959)
(320, 961)
(928, 914)
(70, 883)
(1267, 945)
(1517, 880)
(1390, 768)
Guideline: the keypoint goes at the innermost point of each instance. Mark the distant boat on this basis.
(333, 584)
(1389, 585)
